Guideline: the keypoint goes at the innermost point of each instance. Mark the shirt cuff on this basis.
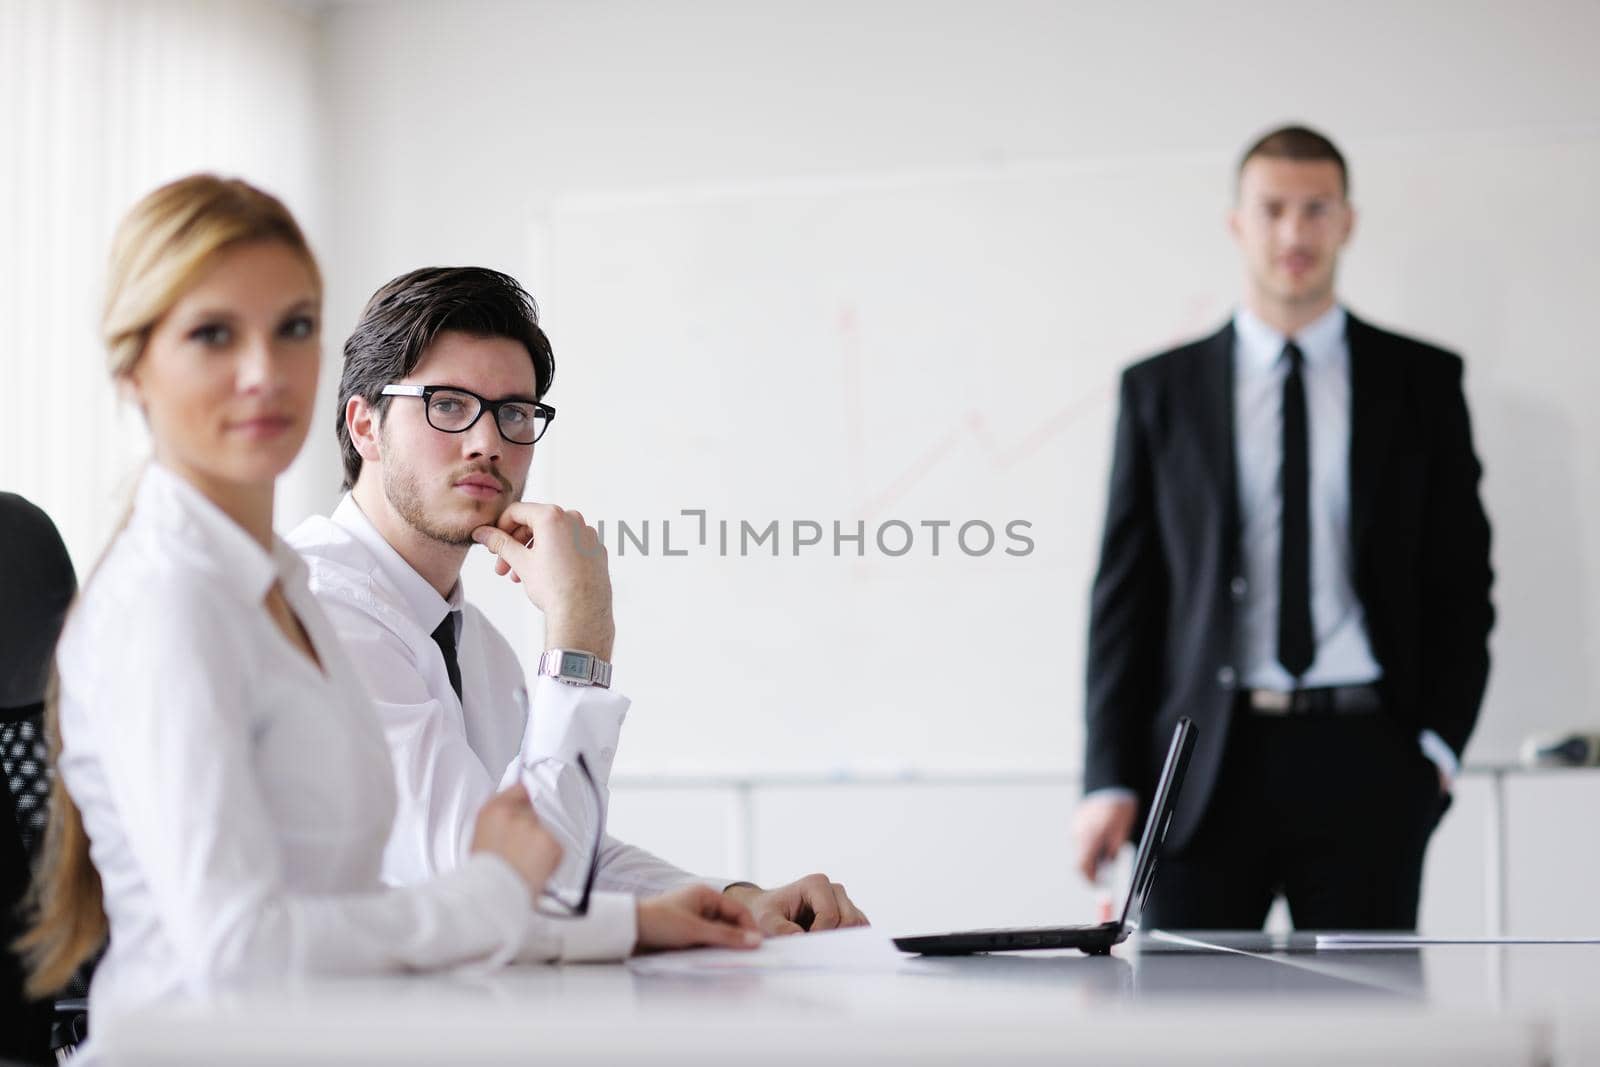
(503, 897)
(1111, 792)
(608, 932)
(564, 720)
(1434, 747)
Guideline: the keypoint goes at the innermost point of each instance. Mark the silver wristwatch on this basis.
(575, 668)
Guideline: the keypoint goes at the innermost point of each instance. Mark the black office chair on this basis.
(36, 586)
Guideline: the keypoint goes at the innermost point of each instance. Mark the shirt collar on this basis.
(1260, 345)
(168, 503)
(422, 600)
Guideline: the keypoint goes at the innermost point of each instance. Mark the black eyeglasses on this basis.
(455, 410)
(570, 910)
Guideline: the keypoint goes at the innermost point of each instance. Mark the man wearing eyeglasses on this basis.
(440, 407)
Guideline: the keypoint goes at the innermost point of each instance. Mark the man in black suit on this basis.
(1295, 556)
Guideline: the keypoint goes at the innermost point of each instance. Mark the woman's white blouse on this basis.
(237, 797)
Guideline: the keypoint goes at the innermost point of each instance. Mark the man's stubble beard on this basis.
(401, 487)
(1286, 296)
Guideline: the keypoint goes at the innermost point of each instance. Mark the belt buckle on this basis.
(1272, 701)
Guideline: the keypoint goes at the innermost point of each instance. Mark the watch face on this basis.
(575, 664)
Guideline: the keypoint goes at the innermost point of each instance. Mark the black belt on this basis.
(1331, 700)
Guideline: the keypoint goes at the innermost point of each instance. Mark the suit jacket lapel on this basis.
(1374, 402)
(1214, 387)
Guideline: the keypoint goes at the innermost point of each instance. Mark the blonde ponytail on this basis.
(69, 919)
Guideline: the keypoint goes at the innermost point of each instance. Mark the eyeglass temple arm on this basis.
(594, 850)
(599, 832)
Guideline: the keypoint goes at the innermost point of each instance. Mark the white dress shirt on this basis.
(1343, 656)
(238, 798)
(1343, 653)
(451, 754)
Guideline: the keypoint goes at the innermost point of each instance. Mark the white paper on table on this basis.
(1367, 941)
(858, 949)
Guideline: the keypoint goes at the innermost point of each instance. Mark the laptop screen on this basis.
(1155, 827)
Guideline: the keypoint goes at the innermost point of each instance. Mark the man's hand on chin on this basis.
(563, 568)
(811, 903)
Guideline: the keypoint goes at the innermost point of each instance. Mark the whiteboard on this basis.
(945, 346)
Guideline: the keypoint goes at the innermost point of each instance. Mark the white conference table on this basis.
(848, 997)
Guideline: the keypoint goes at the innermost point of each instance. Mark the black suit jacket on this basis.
(1162, 608)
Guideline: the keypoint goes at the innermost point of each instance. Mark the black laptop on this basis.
(1095, 940)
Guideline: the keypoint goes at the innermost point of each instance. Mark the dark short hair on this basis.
(1296, 142)
(403, 318)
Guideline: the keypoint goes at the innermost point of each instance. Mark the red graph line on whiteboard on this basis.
(919, 470)
(972, 424)
(1056, 424)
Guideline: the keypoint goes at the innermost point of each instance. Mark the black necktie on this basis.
(1297, 643)
(445, 637)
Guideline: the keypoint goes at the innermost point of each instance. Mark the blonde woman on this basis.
(224, 791)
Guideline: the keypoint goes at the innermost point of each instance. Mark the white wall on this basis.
(920, 855)
(944, 345)
(514, 135)
(522, 136)
(463, 133)
(99, 103)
